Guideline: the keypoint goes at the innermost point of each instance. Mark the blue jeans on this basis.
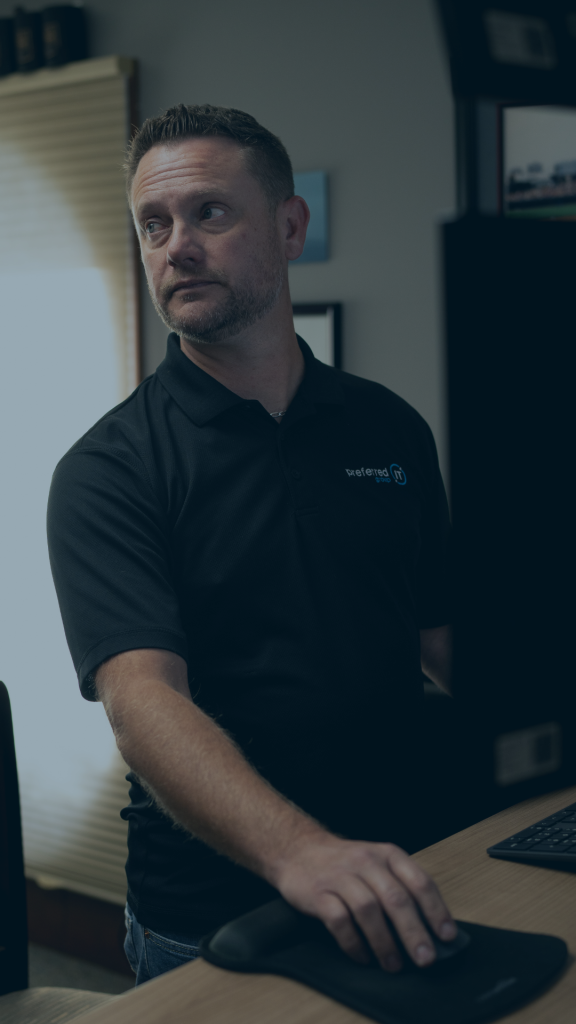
(150, 954)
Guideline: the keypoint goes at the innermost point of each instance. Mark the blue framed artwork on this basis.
(313, 187)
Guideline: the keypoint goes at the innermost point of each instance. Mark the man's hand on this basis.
(350, 886)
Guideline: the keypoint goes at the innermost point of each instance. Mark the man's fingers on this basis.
(364, 909)
(404, 888)
(425, 892)
(336, 917)
(400, 908)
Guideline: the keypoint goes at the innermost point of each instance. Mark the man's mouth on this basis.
(195, 283)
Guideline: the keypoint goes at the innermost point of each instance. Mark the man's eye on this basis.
(151, 227)
(211, 212)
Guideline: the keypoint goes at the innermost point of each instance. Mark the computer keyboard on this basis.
(551, 841)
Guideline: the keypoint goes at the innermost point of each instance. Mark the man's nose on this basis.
(184, 245)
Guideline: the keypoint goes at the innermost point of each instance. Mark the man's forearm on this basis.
(193, 769)
(204, 782)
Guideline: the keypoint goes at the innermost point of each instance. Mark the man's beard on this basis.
(241, 307)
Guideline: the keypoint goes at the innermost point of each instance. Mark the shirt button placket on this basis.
(294, 477)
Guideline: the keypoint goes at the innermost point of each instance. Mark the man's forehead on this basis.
(202, 163)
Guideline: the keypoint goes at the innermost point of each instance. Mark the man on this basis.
(249, 554)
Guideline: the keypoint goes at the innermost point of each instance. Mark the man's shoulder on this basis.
(119, 446)
(126, 427)
(115, 464)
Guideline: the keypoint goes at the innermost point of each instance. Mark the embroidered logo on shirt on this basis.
(382, 476)
(398, 474)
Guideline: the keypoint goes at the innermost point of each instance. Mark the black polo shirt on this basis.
(292, 567)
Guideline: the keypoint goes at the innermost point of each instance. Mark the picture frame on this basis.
(313, 187)
(320, 325)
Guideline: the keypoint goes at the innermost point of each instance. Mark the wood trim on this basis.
(134, 124)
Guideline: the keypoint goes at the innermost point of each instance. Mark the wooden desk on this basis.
(477, 888)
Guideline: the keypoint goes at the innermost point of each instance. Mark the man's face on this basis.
(210, 243)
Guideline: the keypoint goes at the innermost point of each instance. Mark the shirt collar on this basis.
(203, 398)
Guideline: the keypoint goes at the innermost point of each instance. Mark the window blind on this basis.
(63, 133)
(82, 849)
(68, 353)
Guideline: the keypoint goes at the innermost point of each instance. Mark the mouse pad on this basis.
(497, 972)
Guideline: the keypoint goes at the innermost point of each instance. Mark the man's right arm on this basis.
(201, 779)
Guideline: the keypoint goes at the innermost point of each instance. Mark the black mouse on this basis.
(444, 950)
(447, 950)
(447, 953)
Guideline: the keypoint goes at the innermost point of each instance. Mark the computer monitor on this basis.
(538, 162)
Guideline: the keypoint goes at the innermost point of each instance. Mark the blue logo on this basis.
(398, 474)
(381, 476)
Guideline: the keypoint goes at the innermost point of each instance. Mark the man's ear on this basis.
(294, 217)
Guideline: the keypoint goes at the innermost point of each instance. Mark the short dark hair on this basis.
(268, 160)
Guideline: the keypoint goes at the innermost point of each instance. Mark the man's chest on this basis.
(308, 496)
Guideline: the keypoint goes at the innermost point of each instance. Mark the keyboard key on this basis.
(549, 848)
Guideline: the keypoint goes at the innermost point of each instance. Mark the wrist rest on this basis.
(498, 971)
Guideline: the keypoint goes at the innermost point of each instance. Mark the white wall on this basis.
(358, 88)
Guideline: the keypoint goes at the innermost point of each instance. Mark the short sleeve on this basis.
(433, 586)
(109, 551)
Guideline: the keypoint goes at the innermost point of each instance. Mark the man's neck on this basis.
(263, 363)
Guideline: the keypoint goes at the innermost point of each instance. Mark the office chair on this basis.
(18, 1003)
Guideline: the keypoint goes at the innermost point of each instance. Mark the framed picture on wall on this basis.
(320, 325)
